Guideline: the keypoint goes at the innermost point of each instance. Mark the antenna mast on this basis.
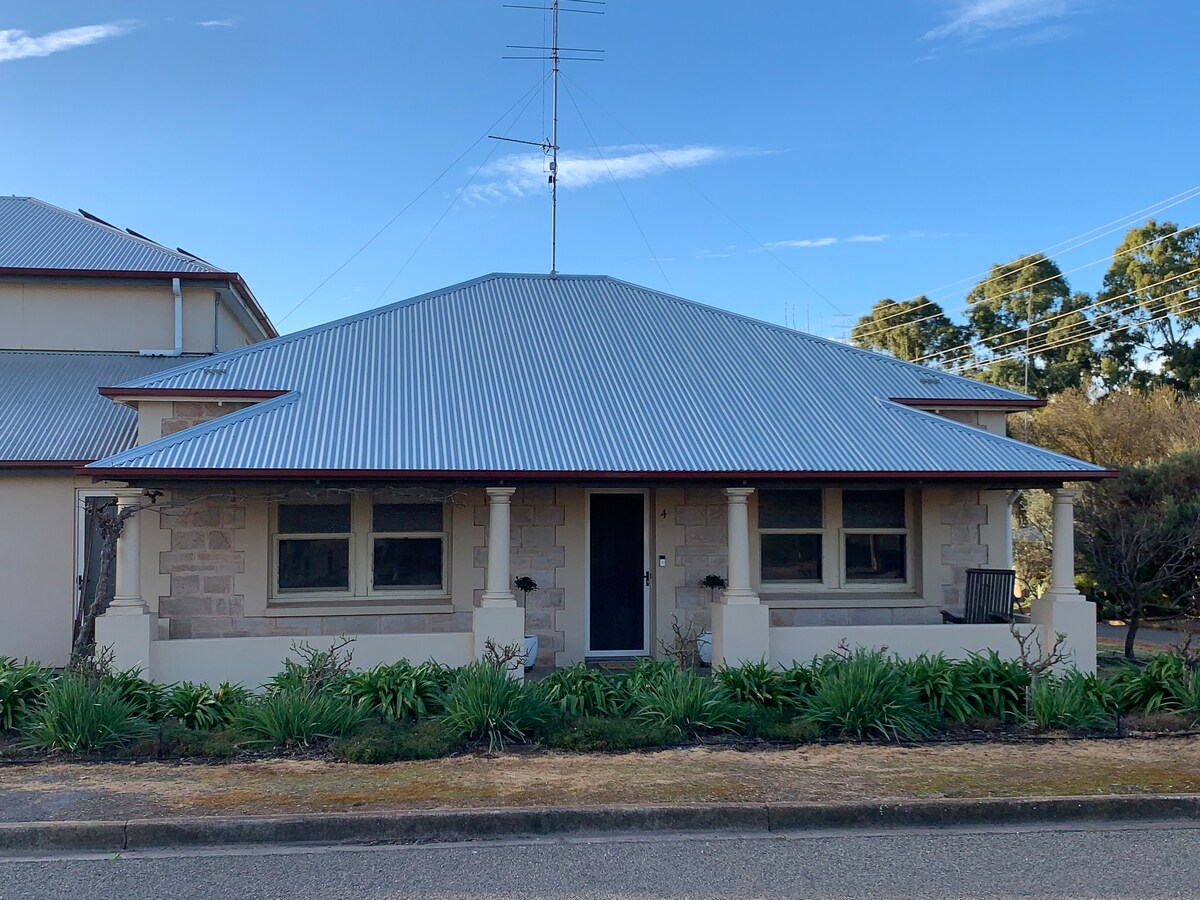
(549, 146)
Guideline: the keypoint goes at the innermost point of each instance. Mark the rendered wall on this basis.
(792, 645)
(111, 316)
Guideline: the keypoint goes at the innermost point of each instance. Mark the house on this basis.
(388, 475)
(83, 305)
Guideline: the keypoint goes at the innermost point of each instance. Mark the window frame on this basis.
(361, 550)
(833, 549)
(776, 584)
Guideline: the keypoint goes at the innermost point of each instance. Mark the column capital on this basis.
(500, 494)
(738, 494)
(1065, 495)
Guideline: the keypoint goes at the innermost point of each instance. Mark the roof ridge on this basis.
(97, 223)
(805, 335)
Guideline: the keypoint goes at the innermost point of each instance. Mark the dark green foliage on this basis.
(993, 687)
(867, 695)
(397, 691)
(173, 739)
(201, 708)
(485, 704)
(607, 735)
(912, 330)
(1185, 692)
(942, 686)
(1147, 689)
(394, 740)
(21, 689)
(80, 714)
(579, 691)
(757, 684)
(147, 698)
(296, 716)
(646, 673)
(315, 669)
(685, 703)
(777, 727)
(1075, 701)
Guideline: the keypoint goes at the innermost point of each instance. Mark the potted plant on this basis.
(527, 586)
(704, 641)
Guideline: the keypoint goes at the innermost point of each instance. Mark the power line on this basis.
(1123, 222)
(617, 185)
(1107, 300)
(1025, 288)
(353, 256)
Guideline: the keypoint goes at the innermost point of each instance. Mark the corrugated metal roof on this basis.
(49, 408)
(37, 235)
(576, 374)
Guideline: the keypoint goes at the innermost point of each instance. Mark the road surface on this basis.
(1121, 861)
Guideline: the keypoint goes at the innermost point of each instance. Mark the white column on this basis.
(739, 590)
(1062, 609)
(498, 591)
(740, 623)
(127, 627)
(127, 596)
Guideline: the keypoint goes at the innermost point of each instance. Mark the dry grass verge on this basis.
(691, 775)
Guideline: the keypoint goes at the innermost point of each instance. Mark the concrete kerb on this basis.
(438, 826)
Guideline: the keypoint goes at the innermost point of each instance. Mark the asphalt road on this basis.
(1142, 861)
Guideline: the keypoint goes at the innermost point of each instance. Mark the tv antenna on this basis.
(549, 145)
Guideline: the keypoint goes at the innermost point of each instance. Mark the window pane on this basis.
(408, 562)
(791, 557)
(407, 517)
(789, 509)
(321, 564)
(876, 557)
(314, 518)
(873, 509)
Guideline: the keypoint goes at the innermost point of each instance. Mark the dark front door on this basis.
(617, 574)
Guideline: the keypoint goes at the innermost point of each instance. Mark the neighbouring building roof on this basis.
(37, 235)
(576, 374)
(51, 413)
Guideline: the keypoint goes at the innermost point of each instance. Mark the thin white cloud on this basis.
(521, 174)
(866, 238)
(801, 242)
(973, 18)
(216, 23)
(17, 44)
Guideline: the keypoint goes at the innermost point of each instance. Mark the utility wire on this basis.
(1029, 287)
(650, 149)
(617, 185)
(1083, 338)
(1124, 222)
(1107, 300)
(462, 190)
(353, 256)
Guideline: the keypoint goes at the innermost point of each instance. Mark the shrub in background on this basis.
(80, 714)
(578, 691)
(607, 735)
(685, 703)
(867, 695)
(399, 690)
(294, 716)
(394, 740)
(21, 689)
(485, 704)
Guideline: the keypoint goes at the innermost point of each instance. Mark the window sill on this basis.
(843, 599)
(355, 606)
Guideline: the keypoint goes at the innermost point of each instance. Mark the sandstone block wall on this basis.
(187, 414)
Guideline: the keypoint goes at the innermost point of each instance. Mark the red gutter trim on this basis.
(927, 403)
(468, 475)
(255, 310)
(233, 394)
(43, 463)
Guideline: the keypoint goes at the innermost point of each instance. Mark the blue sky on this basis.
(781, 159)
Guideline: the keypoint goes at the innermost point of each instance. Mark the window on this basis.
(833, 538)
(406, 546)
(313, 547)
(356, 547)
(875, 527)
(790, 523)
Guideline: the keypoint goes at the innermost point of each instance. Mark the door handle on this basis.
(647, 578)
